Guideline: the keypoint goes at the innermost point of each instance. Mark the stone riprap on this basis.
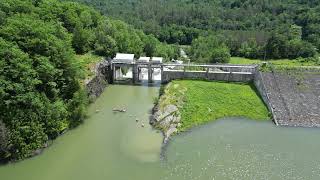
(293, 96)
(167, 120)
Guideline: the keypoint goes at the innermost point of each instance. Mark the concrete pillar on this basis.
(135, 73)
(161, 71)
(139, 72)
(230, 76)
(110, 73)
(207, 73)
(114, 71)
(150, 71)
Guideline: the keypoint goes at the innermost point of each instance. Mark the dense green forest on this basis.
(254, 29)
(40, 91)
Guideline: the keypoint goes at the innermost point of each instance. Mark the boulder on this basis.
(168, 133)
(159, 115)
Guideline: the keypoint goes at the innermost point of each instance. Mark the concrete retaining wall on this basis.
(168, 76)
(259, 84)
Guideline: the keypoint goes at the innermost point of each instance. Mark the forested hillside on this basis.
(250, 28)
(40, 91)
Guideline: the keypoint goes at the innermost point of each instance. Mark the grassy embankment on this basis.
(281, 62)
(200, 101)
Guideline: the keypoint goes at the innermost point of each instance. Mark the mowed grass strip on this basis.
(205, 101)
(280, 62)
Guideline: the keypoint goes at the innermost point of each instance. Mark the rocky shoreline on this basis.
(166, 116)
(96, 84)
(166, 120)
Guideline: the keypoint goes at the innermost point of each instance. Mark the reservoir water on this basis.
(113, 146)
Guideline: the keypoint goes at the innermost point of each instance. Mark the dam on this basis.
(292, 96)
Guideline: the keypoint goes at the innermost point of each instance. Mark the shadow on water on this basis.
(141, 83)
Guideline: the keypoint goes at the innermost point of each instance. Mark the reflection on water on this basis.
(113, 146)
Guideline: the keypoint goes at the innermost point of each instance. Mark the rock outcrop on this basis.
(167, 120)
(96, 84)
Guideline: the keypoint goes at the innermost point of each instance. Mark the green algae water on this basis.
(113, 146)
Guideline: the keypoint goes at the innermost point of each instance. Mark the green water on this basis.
(113, 146)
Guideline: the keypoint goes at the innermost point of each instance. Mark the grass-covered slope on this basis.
(200, 101)
(280, 62)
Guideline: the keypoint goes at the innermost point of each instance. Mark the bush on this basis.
(220, 55)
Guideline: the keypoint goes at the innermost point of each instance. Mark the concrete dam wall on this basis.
(168, 76)
(226, 73)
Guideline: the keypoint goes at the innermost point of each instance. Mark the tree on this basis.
(209, 50)
(281, 46)
(19, 102)
(250, 49)
(168, 52)
(82, 40)
(105, 46)
(176, 21)
(128, 41)
(276, 46)
(220, 55)
(38, 81)
(2, 17)
(150, 45)
(86, 19)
